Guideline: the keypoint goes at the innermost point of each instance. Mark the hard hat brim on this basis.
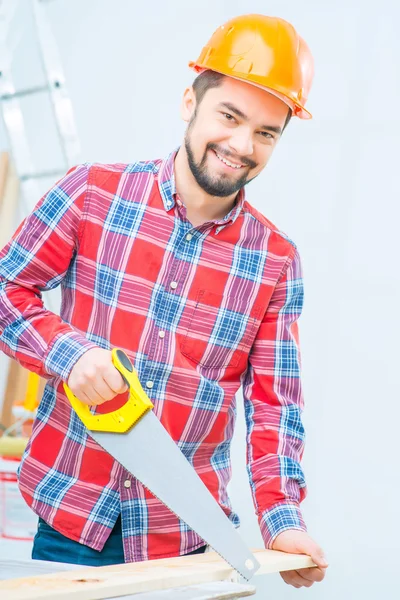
(298, 110)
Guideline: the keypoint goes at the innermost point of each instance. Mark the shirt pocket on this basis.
(221, 330)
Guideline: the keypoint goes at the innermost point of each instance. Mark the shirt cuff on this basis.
(280, 517)
(64, 352)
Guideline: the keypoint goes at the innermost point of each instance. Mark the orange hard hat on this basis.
(263, 51)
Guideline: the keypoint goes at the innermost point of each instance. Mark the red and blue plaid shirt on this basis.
(200, 311)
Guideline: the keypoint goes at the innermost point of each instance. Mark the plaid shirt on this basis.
(200, 311)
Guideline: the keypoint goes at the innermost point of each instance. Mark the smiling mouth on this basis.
(228, 163)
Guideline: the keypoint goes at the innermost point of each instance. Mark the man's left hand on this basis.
(299, 542)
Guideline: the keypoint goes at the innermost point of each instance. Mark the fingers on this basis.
(92, 391)
(315, 552)
(100, 392)
(303, 577)
(312, 574)
(94, 379)
(115, 381)
(317, 555)
(299, 542)
(85, 399)
(295, 579)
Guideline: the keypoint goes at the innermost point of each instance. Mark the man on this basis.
(168, 261)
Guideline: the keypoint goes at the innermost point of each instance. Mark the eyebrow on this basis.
(239, 113)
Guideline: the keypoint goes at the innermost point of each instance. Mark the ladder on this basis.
(32, 82)
(25, 30)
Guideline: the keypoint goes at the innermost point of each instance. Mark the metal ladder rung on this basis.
(23, 93)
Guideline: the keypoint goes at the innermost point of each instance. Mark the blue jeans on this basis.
(48, 544)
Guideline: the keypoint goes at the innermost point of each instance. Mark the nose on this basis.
(241, 143)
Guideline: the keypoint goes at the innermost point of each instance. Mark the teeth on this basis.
(228, 163)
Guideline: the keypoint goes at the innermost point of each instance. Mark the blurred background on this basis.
(102, 81)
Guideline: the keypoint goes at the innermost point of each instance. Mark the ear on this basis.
(188, 104)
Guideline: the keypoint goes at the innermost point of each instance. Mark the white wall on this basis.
(333, 187)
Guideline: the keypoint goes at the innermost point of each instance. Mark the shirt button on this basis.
(161, 334)
(149, 384)
(173, 285)
(189, 237)
(127, 483)
(169, 202)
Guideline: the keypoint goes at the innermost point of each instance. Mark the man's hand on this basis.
(94, 379)
(299, 542)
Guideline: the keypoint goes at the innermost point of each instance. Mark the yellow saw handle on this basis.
(122, 419)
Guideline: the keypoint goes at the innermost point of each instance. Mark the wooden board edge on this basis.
(97, 583)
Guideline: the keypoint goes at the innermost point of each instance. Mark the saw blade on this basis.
(149, 453)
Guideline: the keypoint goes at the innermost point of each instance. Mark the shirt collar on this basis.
(166, 184)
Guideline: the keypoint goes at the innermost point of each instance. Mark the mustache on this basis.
(244, 161)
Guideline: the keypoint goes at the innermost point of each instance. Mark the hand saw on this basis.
(134, 436)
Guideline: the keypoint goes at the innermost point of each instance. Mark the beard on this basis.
(213, 184)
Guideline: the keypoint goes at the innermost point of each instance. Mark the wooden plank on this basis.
(20, 392)
(97, 583)
(8, 205)
(219, 590)
(9, 194)
(17, 380)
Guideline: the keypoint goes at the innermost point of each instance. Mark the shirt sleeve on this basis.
(37, 259)
(273, 405)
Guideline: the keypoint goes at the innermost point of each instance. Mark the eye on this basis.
(266, 135)
(228, 117)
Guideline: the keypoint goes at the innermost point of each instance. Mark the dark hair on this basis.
(205, 81)
(212, 79)
(289, 116)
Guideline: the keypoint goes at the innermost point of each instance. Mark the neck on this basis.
(200, 206)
